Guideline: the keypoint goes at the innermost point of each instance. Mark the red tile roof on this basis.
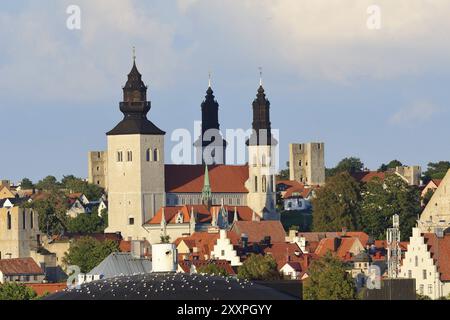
(339, 246)
(201, 212)
(440, 252)
(46, 288)
(20, 266)
(125, 246)
(295, 188)
(190, 178)
(258, 230)
(367, 176)
(205, 241)
(284, 252)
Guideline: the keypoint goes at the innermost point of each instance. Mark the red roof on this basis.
(125, 246)
(367, 176)
(205, 241)
(284, 252)
(437, 182)
(201, 212)
(46, 288)
(20, 266)
(339, 246)
(295, 188)
(190, 178)
(258, 230)
(440, 252)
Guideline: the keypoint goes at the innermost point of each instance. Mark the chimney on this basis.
(337, 243)
(344, 232)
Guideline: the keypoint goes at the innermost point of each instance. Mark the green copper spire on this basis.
(206, 192)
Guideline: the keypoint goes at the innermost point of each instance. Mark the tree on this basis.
(213, 269)
(258, 267)
(336, 205)
(15, 291)
(350, 165)
(382, 199)
(52, 213)
(26, 184)
(87, 223)
(328, 280)
(87, 253)
(76, 185)
(436, 170)
(427, 197)
(49, 183)
(391, 165)
(164, 239)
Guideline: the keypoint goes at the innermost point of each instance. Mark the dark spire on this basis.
(210, 112)
(261, 125)
(135, 107)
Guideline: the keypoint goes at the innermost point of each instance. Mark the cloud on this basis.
(414, 114)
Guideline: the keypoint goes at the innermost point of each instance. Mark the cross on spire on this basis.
(134, 54)
(209, 79)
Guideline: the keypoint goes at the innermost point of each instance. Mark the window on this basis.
(119, 156)
(148, 155)
(31, 219)
(156, 155)
(409, 274)
(430, 289)
(263, 160)
(264, 184)
(319, 146)
(222, 253)
(416, 262)
(131, 221)
(424, 274)
(421, 289)
(98, 168)
(129, 156)
(9, 220)
(300, 163)
(256, 184)
(24, 220)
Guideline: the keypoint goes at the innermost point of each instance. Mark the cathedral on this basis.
(149, 199)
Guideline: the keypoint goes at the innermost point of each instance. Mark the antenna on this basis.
(209, 79)
(134, 54)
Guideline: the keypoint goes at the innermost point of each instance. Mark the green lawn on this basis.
(302, 219)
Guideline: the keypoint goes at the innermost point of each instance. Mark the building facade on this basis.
(307, 163)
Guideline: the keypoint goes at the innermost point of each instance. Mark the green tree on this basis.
(391, 165)
(213, 269)
(88, 223)
(382, 199)
(427, 197)
(350, 165)
(76, 185)
(49, 183)
(328, 280)
(87, 253)
(26, 184)
(52, 213)
(337, 204)
(258, 267)
(15, 291)
(436, 170)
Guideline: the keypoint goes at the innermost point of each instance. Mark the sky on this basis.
(377, 94)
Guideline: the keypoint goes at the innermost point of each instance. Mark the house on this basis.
(291, 261)
(437, 212)
(260, 231)
(410, 174)
(23, 270)
(295, 196)
(427, 260)
(431, 187)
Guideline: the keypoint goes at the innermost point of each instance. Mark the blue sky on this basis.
(375, 94)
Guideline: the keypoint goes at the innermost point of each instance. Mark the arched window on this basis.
(148, 155)
(264, 184)
(24, 220)
(256, 184)
(119, 156)
(156, 155)
(31, 219)
(129, 156)
(8, 222)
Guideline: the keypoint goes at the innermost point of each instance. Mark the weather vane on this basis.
(209, 78)
(134, 54)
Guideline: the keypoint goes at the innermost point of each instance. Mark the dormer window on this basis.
(179, 218)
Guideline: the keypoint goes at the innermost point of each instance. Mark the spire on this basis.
(135, 106)
(262, 131)
(192, 221)
(206, 192)
(235, 218)
(209, 79)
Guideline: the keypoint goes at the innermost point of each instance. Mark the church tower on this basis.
(261, 184)
(210, 148)
(136, 184)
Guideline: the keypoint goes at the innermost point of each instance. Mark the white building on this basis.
(224, 250)
(427, 260)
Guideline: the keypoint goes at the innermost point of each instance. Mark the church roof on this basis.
(258, 230)
(190, 178)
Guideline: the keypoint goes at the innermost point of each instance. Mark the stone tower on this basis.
(210, 148)
(307, 163)
(97, 168)
(135, 163)
(261, 184)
